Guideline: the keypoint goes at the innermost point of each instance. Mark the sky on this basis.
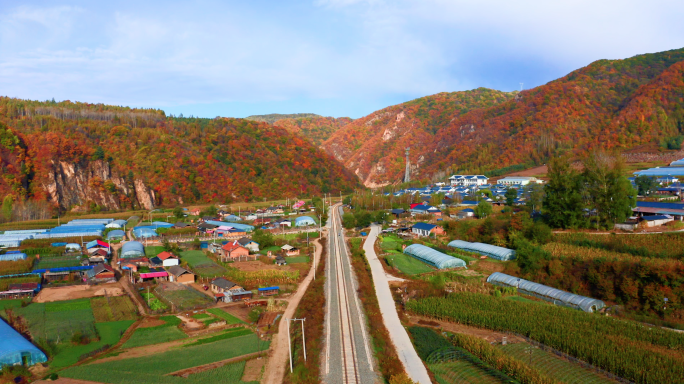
(331, 57)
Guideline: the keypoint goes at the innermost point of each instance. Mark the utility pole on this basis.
(289, 343)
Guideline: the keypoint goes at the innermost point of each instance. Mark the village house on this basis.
(101, 273)
(227, 291)
(280, 260)
(95, 245)
(195, 212)
(250, 244)
(180, 275)
(233, 251)
(425, 229)
(157, 274)
(289, 250)
(168, 259)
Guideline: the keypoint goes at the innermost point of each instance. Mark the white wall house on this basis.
(468, 180)
(518, 181)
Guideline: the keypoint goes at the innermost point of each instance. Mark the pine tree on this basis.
(563, 205)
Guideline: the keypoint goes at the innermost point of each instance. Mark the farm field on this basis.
(648, 355)
(58, 321)
(201, 264)
(230, 319)
(157, 334)
(117, 308)
(5, 282)
(49, 262)
(17, 266)
(181, 297)
(462, 372)
(153, 302)
(661, 245)
(72, 292)
(407, 264)
(557, 368)
(153, 250)
(297, 259)
(110, 334)
(155, 368)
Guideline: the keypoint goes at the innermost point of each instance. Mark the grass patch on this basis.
(12, 303)
(152, 369)
(153, 250)
(110, 334)
(230, 319)
(273, 249)
(184, 298)
(229, 334)
(58, 320)
(156, 335)
(297, 259)
(407, 264)
(201, 316)
(201, 264)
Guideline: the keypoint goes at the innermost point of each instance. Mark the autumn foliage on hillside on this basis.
(182, 159)
(609, 104)
(373, 146)
(317, 129)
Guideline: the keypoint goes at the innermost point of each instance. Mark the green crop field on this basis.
(116, 308)
(153, 250)
(12, 303)
(153, 369)
(228, 334)
(201, 316)
(407, 264)
(230, 319)
(57, 262)
(156, 335)
(201, 264)
(59, 321)
(297, 259)
(461, 372)
(562, 370)
(183, 297)
(153, 302)
(110, 334)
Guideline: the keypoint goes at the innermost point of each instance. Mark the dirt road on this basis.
(277, 359)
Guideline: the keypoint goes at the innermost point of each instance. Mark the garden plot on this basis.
(181, 297)
(156, 368)
(201, 264)
(50, 262)
(58, 321)
(157, 334)
(407, 264)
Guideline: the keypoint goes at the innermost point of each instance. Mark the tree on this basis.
(99, 153)
(536, 197)
(210, 211)
(178, 212)
(7, 203)
(608, 191)
(436, 199)
(562, 203)
(483, 209)
(511, 195)
(645, 185)
(348, 220)
(263, 238)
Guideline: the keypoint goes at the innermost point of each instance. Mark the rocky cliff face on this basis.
(75, 186)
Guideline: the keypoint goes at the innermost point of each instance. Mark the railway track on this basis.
(347, 357)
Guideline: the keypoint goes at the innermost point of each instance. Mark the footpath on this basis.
(407, 354)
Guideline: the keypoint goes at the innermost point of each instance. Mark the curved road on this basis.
(407, 354)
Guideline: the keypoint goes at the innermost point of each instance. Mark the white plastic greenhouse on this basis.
(556, 296)
(488, 250)
(433, 257)
(132, 249)
(304, 221)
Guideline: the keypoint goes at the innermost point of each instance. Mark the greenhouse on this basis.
(72, 229)
(25, 232)
(161, 224)
(72, 247)
(244, 227)
(82, 222)
(116, 234)
(132, 249)
(232, 218)
(116, 224)
(544, 292)
(488, 250)
(13, 256)
(433, 257)
(15, 349)
(304, 221)
(144, 231)
(10, 241)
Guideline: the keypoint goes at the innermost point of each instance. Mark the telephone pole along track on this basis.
(347, 355)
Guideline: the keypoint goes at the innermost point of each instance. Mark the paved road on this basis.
(347, 356)
(278, 360)
(407, 354)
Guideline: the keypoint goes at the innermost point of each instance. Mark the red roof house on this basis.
(233, 251)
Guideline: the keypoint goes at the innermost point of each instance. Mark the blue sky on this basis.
(331, 57)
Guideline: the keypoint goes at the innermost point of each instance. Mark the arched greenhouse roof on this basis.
(303, 221)
(144, 231)
(433, 257)
(13, 347)
(556, 296)
(115, 234)
(161, 224)
(132, 249)
(488, 250)
(116, 224)
(244, 227)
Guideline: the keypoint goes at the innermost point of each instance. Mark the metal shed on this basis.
(433, 257)
(14, 349)
(488, 250)
(303, 221)
(556, 296)
(132, 249)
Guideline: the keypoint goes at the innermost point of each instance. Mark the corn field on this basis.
(563, 250)
(660, 245)
(262, 277)
(629, 350)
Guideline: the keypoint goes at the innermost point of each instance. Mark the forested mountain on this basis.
(613, 104)
(373, 146)
(273, 117)
(317, 129)
(98, 156)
